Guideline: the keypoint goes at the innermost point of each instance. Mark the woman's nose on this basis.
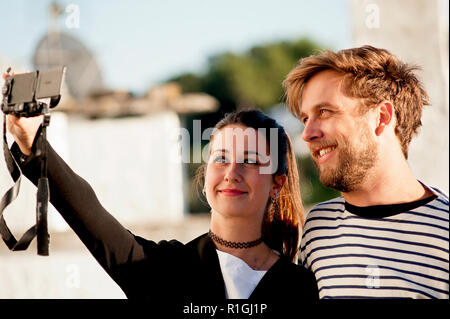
(233, 173)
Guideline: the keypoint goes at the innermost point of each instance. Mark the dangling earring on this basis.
(275, 205)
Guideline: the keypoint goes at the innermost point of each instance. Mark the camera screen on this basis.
(22, 89)
(49, 83)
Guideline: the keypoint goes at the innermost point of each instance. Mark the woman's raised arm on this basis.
(111, 244)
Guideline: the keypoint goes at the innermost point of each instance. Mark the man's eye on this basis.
(323, 111)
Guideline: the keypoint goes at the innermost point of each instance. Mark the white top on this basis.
(240, 279)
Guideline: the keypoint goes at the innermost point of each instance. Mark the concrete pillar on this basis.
(416, 31)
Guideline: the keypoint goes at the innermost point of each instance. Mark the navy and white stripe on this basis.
(405, 255)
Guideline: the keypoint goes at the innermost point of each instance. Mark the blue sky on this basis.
(140, 43)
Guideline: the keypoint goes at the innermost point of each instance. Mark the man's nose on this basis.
(312, 131)
(233, 173)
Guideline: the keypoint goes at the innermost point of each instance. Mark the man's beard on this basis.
(353, 164)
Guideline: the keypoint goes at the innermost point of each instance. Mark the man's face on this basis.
(340, 139)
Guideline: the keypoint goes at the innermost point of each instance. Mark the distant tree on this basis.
(189, 82)
(251, 79)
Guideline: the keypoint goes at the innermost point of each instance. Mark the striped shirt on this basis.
(394, 251)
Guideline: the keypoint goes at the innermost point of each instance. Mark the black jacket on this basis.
(144, 269)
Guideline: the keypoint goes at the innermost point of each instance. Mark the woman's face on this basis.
(234, 184)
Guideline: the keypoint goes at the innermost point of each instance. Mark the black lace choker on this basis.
(233, 244)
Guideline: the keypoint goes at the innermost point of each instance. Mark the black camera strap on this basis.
(40, 229)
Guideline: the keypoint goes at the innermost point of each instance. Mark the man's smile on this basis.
(323, 153)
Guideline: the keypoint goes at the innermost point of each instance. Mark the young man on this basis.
(387, 236)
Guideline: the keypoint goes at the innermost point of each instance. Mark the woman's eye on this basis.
(251, 161)
(304, 120)
(220, 159)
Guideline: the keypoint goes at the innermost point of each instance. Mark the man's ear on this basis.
(278, 182)
(385, 115)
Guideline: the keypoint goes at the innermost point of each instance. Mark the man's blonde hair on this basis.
(371, 74)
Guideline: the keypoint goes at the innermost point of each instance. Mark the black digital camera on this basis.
(22, 92)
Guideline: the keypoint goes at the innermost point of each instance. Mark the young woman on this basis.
(255, 217)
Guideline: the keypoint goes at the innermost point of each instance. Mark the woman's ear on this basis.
(278, 182)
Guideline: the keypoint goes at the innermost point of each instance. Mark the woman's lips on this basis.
(232, 192)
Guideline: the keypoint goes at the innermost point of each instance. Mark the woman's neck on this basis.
(236, 229)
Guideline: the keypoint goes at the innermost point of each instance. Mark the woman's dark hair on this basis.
(280, 229)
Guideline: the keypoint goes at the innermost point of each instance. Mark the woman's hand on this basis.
(23, 129)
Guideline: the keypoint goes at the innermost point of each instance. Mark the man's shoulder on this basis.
(440, 203)
(324, 212)
(333, 205)
(442, 197)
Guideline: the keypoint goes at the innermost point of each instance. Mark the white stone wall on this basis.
(63, 275)
(129, 162)
(70, 272)
(417, 32)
